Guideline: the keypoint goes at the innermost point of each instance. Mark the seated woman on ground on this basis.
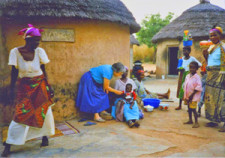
(142, 92)
(131, 110)
(120, 84)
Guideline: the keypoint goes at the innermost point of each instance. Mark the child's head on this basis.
(140, 74)
(128, 87)
(193, 67)
(186, 51)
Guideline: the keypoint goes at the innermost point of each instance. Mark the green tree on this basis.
(150, 26)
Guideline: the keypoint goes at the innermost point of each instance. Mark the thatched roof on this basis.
(133, 40)
(198, 20)
(106, 10)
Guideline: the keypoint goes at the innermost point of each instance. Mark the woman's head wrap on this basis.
(31, 31)
(217, 29)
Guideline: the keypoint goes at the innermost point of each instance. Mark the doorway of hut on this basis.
(173, 60)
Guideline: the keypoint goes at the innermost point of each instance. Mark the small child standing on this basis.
(192, 92)
(131, 110)
(184, 71)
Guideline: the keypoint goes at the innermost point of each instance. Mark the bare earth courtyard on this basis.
(161, 134)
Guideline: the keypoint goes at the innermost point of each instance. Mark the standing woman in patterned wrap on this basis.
(33, 114)
(215, 81)
(93, 90)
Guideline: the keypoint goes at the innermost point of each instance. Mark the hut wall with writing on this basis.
(78, 36)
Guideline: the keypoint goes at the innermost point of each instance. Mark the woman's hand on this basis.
(118, 92)
(51, 92)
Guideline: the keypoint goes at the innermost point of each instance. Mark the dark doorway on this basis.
(173, 60)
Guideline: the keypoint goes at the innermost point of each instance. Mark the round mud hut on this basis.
(198, 20)
(78, 35)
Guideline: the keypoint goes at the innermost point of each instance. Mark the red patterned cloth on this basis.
(32, 101)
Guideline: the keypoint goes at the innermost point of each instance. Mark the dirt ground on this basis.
(161, 134)
(168, 125)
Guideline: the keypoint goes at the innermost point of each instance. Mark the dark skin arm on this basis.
(191, 96)
(14, 75)
(205, 54)
(147, 91)
(131, 104)
(45, 74)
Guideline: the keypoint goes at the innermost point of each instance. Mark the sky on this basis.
(141, 8)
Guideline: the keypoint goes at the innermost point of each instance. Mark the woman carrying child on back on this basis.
(192, 92)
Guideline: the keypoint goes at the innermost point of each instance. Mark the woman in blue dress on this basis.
(94, 87)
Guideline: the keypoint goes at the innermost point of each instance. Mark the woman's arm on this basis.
(14, 75)
(108, 89)
(205, 54)
(147, 91)
(43, 70)
(45, 74)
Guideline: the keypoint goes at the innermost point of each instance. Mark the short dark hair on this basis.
(195, 64)
(129, 84)
(187, 48)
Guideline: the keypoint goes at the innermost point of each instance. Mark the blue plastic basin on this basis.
(151, 101)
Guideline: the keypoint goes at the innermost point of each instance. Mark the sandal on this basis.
(99, 120)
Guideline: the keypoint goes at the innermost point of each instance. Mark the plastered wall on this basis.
(96, 43)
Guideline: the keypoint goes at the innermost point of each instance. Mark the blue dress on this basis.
(131, 114)
(91, 97)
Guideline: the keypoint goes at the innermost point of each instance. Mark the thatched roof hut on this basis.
(133, 40)
(106, 10)
(78, 35)
(198, 20)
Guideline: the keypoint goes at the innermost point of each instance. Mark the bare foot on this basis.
(6, 151)
(178, 108)
(196, 125)
(168, 94)
(188, 122)
(222, 129)
(44, 141)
